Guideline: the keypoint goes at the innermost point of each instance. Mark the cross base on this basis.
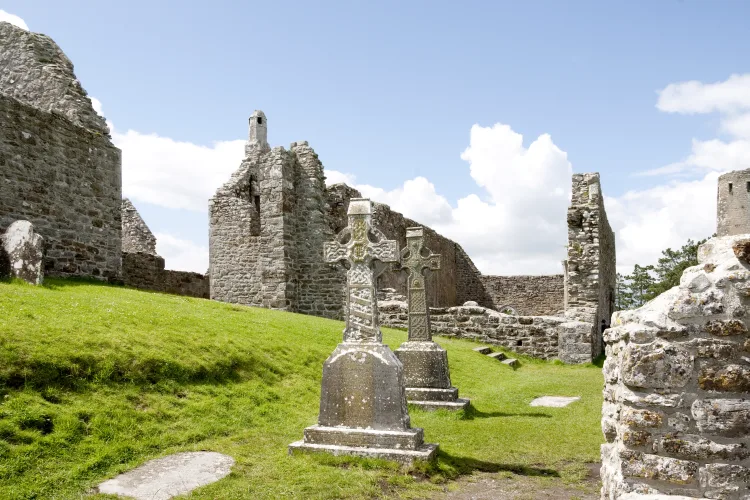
(427, 453)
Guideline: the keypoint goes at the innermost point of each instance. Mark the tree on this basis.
(648, 282)
(671, 265)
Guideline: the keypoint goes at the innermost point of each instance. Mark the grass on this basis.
(96, 379)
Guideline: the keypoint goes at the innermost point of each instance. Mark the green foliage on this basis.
(95, 380)
(648, 282)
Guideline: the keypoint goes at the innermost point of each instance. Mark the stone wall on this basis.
(58, 168)
(591, 259)
(676, 412)
(146, 271)
(526, 295)
(536, 336)
(66, 181)
(733, 203)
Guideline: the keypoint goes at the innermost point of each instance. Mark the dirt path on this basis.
(506, 485)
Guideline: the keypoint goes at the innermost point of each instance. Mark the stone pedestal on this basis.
(363, 408)
(427, 377)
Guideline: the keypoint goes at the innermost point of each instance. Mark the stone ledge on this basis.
(425, 453)
(456, 405)
(431, 394)
(369, 438)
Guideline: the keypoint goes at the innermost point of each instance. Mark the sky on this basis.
(469, 117)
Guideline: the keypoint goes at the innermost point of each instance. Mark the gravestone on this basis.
(426, 373)
(22, 253)
(363, 408)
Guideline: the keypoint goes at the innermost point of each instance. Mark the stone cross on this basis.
(353, 245)
(415, 258)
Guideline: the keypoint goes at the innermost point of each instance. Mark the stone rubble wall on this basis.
(536, 336)
(676, 411)
(591, 273)
(65, 180)
(146, 271)
(136, 236)
(526, 295)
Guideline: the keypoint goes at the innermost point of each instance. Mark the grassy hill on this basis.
(96, 379)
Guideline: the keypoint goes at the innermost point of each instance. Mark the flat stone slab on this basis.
(554, 401)
(458, 404)
(512, 362)
(482, 350)
(170, 476)
(497, 355)
(426, 452)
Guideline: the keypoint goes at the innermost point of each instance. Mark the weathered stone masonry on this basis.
(526, 295)
(58, 168)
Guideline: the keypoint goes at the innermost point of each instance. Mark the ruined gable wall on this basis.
(35, 71)
(136, 236)
(252, 252)
(526, 295)
(320, 286)
(66, 180)
(590, 265)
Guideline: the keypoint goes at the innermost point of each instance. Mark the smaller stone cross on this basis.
(354, 246)
(415, 258)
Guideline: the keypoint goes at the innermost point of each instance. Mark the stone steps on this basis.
(487, 351)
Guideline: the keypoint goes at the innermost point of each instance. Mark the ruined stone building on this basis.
(676, 411)
(268, 223)
(58, 167)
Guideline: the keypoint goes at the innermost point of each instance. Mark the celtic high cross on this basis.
(353, 245)
(415, 258)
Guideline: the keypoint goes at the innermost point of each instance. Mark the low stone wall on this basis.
(537, 336)
(526, 295)
(676, 412)
(146, 272)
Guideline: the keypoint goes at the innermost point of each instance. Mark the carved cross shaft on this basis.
(415, 258)
(361, 254)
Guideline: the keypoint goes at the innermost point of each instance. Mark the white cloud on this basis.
(691, 97)
(336, 177)
(518, 224)
(651, 220)
(97, 105)
(13, 19)
(180, 254)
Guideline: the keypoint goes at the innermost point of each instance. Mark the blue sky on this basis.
(387, 92)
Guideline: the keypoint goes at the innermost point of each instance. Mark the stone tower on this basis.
(733, 203)
(258, 130)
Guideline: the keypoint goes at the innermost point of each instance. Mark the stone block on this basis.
(647, 466)
(724, 417)
(497, 355)
(695, 447)
(727, 378)
(658, 365)
(425, 364)
(483, 350)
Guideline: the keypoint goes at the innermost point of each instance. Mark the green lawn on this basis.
(95, 380)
